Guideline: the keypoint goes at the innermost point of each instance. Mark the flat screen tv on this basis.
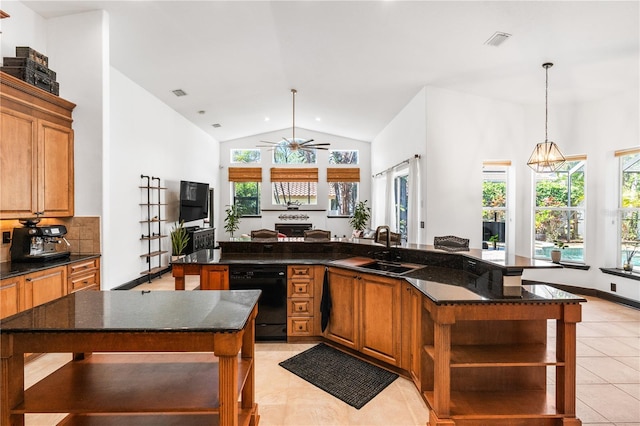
(193, 200)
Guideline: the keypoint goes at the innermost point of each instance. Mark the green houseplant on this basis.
(179, 239)
(232, 220)
(361, 216)
(630, 252)
(494, 240)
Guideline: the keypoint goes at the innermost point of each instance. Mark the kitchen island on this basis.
(468, 331)
(200, 387)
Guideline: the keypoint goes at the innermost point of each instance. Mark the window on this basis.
(294, 186)
(245, 155)
(288, 153)
(560, 210)
(337, 156)
(401, 202)
(245, 183)
(629, 206)
(343, 190)
(246, 196)
(494, 205)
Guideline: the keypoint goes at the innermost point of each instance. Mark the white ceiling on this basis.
(356, 64)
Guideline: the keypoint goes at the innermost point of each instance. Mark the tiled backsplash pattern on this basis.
(83, 233)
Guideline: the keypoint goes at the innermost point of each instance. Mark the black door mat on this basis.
(349, 379)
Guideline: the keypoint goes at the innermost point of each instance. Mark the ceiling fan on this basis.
(292, 143)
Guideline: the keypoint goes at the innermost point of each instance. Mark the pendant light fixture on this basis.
(546, 156)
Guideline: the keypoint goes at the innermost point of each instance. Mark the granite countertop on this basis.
(118, 311)
(13, 269)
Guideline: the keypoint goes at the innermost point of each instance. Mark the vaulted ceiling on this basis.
(355, 64)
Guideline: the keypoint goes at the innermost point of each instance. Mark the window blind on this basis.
(343, 174)
(245, 174)
(279, 174)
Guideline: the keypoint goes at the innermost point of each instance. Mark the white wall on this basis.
(22, 28)
(147, 137)
(404, 137)
(318, 219)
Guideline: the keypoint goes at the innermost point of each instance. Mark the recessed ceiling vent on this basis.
(497, 39)
(179, 92)
(216, 125)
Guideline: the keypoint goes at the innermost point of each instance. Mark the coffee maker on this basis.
(39, 243)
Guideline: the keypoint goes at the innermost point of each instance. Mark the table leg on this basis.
(177, 271)
(226, 347)
(11, 382)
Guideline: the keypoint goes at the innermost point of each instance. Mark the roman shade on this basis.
(306, 174)
(343, 174)
(630, 151)
(245, 174)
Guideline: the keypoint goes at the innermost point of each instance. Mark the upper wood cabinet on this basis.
(36, 152)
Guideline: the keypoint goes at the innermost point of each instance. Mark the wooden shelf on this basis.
(123, 383)
(499, 355)
(152, 187)
(152, 221)
(500, 405)
(155, 237)
(153, 270)
(154, 253)
(244, 419)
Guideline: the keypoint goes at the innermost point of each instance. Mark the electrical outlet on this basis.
(613, 287)
(6, 237)
(422, 224)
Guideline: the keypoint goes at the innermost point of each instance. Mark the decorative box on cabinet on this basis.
(303, 293)
(36, 146)
(83, 275)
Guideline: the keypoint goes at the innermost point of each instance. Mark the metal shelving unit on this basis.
(152, 223)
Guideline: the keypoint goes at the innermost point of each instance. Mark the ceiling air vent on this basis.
(217, 125)
(179, 92)
(497, 39)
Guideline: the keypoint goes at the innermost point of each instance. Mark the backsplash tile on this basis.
(83, 233)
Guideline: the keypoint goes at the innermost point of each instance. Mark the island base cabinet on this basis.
(488, 364)
(366, 314)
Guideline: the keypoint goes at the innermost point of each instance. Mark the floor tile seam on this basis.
(624, 391)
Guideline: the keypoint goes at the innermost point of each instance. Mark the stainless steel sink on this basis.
(391, 267)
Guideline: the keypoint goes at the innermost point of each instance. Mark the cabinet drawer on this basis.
(300, 271)
(83, 266)
(300, 326)
(301, 307)
(83, 281)
(300, 288)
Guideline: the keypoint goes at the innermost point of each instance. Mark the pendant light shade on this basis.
(546, 156)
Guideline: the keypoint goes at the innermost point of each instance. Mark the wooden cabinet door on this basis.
(411, 332)
(343, 319)
(380, 318)
(18, 165)
(55, 173)
(214, 277)
(44, 286)
(10, 296)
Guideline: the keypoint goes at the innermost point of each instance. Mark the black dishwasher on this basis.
(271, 322)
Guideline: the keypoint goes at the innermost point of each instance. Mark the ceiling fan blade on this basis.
(319, 144)
(274, 143)
(306, 142)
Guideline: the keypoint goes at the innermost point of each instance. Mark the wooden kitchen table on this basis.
(204, 365)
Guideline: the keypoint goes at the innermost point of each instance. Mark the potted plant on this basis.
(232, 220)
(632, 247)
(556, 252)
(179, 240)
(494, 240)
(360, 218)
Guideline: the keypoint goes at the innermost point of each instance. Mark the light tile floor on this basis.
(608, 378)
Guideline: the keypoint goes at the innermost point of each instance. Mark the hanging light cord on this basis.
(546, 100)
(293, 95)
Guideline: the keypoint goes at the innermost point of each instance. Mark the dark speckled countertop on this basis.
(14, 269)
(109, 311)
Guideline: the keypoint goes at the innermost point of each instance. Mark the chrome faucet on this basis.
(377, 237)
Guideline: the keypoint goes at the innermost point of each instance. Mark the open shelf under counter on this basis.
(499, 355)
(123, 383)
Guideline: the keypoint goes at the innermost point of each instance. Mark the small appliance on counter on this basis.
(39, 243)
